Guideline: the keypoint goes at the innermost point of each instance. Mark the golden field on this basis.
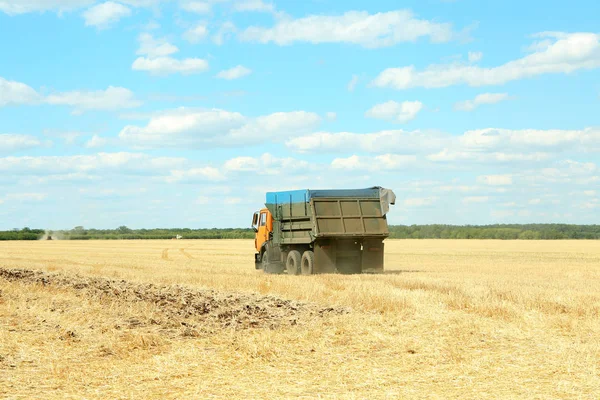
(449, 319)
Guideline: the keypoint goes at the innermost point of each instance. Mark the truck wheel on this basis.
(293, 262)
(308, 262)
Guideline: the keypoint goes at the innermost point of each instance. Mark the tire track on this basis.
(185, 253)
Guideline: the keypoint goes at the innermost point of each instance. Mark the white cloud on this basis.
(368, 30)
(485, 98)
(589, 192)
(266, 164)
(224, 32)
(495, 180)
(204, 174)
(151, 47)
(198, 7)
(398, 141)
(394, 111)
(472, 155)
(113, 98)
(378, 163)
(12, 7)
(214, 127)
(475, 199)
(13, 93)
(158, 62)
(96, 141)
(15, 7)
(169, 65)
(196, 33)
(559, 53)
(352, 83)
(10, 143)
(459, 188)
(475, 56)
(234, 73)
(331, 116)
(26, 197)
(253, 5)
(105, 14)
(420, 201)
(501, 214)
(122, 163)
(535, 201)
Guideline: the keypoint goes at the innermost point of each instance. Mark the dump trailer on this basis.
(322, 231)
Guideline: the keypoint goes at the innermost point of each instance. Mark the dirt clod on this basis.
(191, 309)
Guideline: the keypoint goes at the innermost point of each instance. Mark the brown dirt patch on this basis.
(198, 310)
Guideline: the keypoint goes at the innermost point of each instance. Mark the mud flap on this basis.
(325, 257)
(257, 261)
(372, 256)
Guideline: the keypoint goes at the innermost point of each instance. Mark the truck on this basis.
(306, 232)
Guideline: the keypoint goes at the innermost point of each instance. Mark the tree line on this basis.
(503, 232)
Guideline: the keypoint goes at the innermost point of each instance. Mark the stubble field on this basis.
(193, 319)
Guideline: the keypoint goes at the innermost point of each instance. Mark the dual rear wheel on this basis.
(297, 264)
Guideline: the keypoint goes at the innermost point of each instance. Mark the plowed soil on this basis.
(200, 310)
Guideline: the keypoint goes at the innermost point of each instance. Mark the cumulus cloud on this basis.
(196, 33)
(12, 7)
(394, 111)
(420, 201)
(151, 47)
(495, 180)
(185, 127)
(169, 65)
(353, 82)
(555, 53)
(192, 175)
(95, 142)
(225, 31)
(123, 163)
(266, 164)
(361, 28)
(377, 163)
(26, 197)
(485, 98)
(198, 7)
(10, 143)
(399, 141)
(234, 73)
(15, 7)
(475, 199)
(475, 56)
(155, 58)
(113, 98)
(253, 5)
(13, 93)
(104, 15)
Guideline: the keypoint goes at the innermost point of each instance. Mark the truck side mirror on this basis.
(255, 222)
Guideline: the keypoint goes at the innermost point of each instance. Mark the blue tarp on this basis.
(302, 196)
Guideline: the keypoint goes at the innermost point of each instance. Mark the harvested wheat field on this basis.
(194, 319)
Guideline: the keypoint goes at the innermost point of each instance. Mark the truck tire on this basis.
(308, 262)
(292, 264)
(270, 267)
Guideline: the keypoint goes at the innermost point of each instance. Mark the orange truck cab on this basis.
(262, 223)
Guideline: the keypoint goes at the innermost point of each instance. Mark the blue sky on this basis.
(155, 113)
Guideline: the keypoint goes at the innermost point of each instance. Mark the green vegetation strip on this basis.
(503, 232)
